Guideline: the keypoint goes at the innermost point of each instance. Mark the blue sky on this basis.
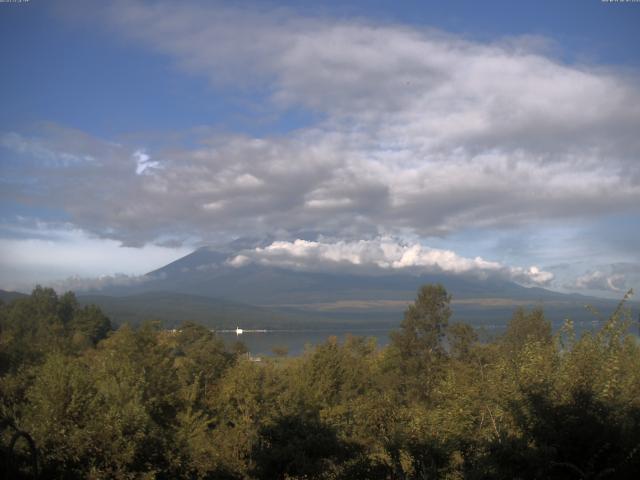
(498, 138)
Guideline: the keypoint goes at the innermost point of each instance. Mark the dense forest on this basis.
(80, 399)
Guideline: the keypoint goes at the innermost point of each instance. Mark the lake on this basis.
(262, 343)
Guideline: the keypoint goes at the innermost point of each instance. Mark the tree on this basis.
(425, 323)
(418, 347)
(461, 338)
(299, 447)
(91, 323)
(526, 327)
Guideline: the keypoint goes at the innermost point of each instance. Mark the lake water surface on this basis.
(263, 343)
(295, 341)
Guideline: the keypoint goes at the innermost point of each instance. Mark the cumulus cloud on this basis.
(531, 276)
(597, 280)
(386, 254)
(415, 88)
(617, 277)
(417, 133)
(143, 162)
(82, 284)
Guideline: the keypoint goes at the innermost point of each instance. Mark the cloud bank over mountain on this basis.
(382, 254)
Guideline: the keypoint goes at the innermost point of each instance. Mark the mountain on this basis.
(206, 273)
(7, 296)
(174, 308)
(203, 287)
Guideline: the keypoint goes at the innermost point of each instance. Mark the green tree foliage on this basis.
(43, 323)
(436, 403)
(417, 349)
(298, 447)
(461, 339)
(526, 327)
(425, 324)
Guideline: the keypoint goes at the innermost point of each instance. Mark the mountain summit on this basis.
(208, 287)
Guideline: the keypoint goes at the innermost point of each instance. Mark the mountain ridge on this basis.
(269, 296)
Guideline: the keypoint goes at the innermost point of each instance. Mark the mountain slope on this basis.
(174, 308)
(205, 272)
(7, 296)
(202, 286)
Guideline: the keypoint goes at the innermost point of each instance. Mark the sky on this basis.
(495, 138)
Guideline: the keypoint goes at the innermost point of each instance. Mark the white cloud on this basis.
(531, 276)
(415, 88)
(328, 182)
(418, 133)
(80, 284)
(143, 162)
(48, 253)
(383, 253)
(246, 180)
(50, 155)
(598, 280)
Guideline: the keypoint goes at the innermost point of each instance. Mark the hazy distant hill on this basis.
(7, 296)
(174, 308)
(201, 286)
